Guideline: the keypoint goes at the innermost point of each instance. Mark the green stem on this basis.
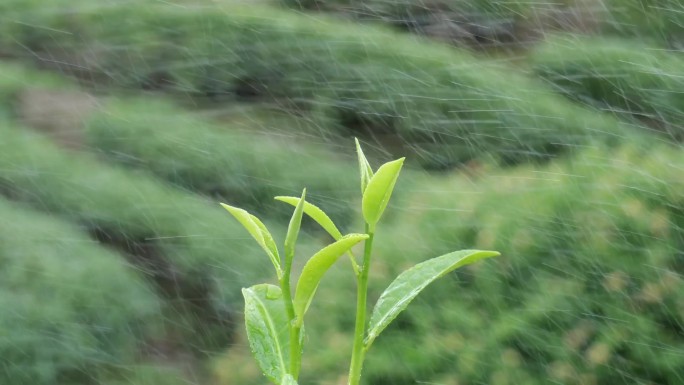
(295, 349)
(358, 350)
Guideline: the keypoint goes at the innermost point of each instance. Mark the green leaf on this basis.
(293, 231)
(268, 239)
(259, 232)
(379, 191)
(316, 214)
(365, 169)
(315, 268)
(411, 282)
(288, 380)
(267, 330)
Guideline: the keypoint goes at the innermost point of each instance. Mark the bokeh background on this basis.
(548, 130)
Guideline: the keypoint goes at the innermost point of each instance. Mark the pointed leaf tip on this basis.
(293, 230)
(316, 214)
(365, 170)
(379, 190)
(258, 231)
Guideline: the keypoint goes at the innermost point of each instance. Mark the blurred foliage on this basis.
(71, 309)
(226, 164)
(242, 165)
(178, 240)
(361, 81)
(132, 273)
(394, 10)
(509, 23)
(477, 24)
(627, 79)
(651, 20)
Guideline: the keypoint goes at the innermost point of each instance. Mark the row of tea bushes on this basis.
(247, 168)
(470, 23)
(478, 23)
(443, 105)
(629, 80)
(247, 164)
(72, 311)
(651, 20)
(189, 248)
(589, 288)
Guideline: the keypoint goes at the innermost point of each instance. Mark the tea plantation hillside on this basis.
(441, 105)
(548, 131)
(191, 152)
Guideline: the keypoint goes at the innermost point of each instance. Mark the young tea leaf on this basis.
(315, 268)
(379, 191)
(259, 232)
(267, 330)
(293, 231)
(411, 282)
(365, 169)
(316, 214)
(268, 238)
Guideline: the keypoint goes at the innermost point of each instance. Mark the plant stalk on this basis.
(295, 352)
(358, 350)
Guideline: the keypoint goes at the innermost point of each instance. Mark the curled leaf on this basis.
(365, 169)
(293, 231)
(379, 191)
(411, 282)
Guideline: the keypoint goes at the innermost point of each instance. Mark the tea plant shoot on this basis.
(275, 316)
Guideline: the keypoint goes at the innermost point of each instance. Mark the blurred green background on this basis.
(550, 131)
